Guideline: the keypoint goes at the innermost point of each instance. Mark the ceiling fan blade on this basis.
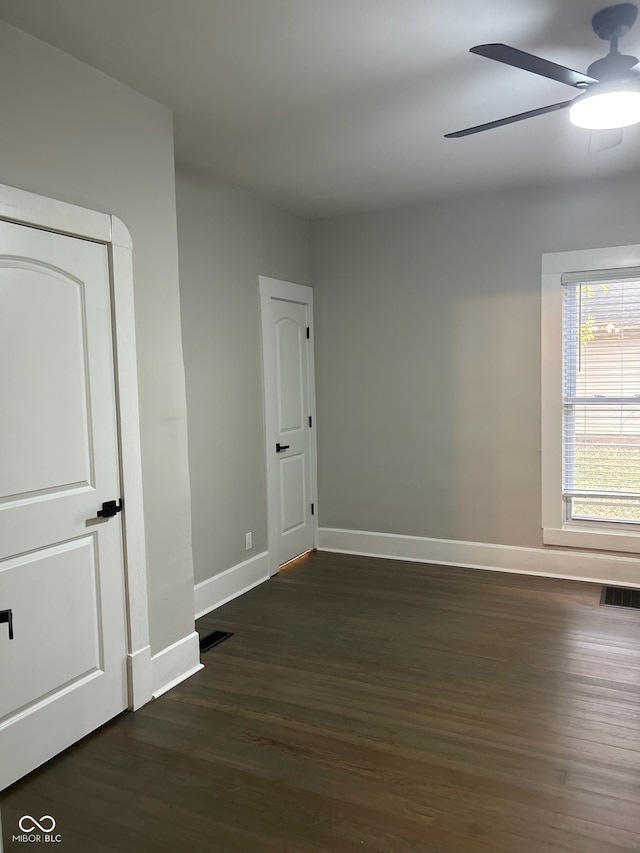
(602, 140)
(509, 120)
(535, 64)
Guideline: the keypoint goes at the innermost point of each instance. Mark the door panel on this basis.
(61, 568)
(293, 493)
(57, 658)
(290, 362)
(45, 435)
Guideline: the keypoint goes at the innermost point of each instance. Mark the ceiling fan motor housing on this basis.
(614, 22)
(611, 24)
(614, 66)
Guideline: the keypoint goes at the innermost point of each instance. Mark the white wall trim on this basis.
(139, 669)
(546, 562)
(176, 663)
(313, 442)
(603, 537)
(585, 260)
(556, 529)
(29, 208)
(274, 288)
(130, 461)
(218, 590)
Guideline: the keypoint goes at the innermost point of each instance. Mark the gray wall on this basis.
(428, 356)
(72, 133)
(227, 238)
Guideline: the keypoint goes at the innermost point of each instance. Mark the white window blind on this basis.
(601, 396)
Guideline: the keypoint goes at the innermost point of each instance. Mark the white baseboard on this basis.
(139, 678)
(175, 663)
(547, 562)
(229, 584)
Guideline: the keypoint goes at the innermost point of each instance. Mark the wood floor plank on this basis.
(373, 705)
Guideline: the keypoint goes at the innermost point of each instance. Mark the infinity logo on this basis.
(28, 823)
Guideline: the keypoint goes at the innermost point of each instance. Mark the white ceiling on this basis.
(333, 106)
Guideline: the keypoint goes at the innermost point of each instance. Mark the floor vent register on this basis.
(617, 596)
(213, 639)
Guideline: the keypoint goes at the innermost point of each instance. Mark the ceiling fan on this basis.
(610, 96)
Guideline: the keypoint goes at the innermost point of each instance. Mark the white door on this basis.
(61, 566)
(289, 412)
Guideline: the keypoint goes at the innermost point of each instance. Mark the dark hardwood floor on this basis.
(373, 705)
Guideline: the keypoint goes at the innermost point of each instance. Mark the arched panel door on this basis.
(287, 345)
(62, 601)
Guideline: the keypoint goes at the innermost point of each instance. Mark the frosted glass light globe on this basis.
(606, 110)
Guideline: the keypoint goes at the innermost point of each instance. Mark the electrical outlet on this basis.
(248, 541)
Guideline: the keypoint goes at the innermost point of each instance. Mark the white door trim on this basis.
(27, 208)
(273, 288)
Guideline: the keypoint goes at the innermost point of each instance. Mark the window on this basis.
(601, 400)
(591, 398)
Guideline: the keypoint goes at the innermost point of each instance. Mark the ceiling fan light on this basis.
(606, 110)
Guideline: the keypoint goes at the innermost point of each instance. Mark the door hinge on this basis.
(313, 509)
(308, 333)
(310, 421)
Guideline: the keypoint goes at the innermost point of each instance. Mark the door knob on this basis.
(109, 509)
(281, 447)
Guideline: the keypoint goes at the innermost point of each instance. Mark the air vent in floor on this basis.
(617, 596)
(210, 640)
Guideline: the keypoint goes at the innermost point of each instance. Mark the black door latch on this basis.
(109, 509)
(7, 616)
(281, 447)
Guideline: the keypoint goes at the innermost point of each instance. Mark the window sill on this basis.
(601, 539)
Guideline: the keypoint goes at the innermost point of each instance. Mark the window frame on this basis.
(556, 529)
